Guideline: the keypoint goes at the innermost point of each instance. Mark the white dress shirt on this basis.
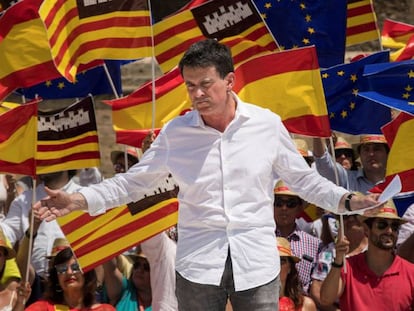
(226, 196)
(17, 222)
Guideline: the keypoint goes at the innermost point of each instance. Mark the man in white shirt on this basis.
(225, 156)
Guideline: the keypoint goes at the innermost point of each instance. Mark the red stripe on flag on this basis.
(87, 155)
(19, 168)
(360, 28)
(306, 125)
(177, 50)
(128, 228)
(64, 146)
(73, 13)
(360, 10)
(133, 137)
(177, 29)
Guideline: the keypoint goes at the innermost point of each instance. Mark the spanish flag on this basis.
(234, 23)
(288, 83)
(83, 31)
(18, 140)
(133, 115)
(397, 35)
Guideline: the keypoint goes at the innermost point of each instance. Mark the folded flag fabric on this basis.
(399, 36)
(361, 25)
(235, 23)
(289, 84)
(305, 23)
(83, 31)
(391, 85)
(18, 139)
(133, 115)
(68, 138)
(89, 82)
(348, 112)
(96, 239)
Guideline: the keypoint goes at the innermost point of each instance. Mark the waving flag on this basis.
(305, 23)
(391, 84)
(68, 138)
(95, 240)
(132, 115)
(361, 24)
(292, 77)
(398, 134)
(82, 31)
(348, 112)
(89, 82)
(235, 23)
(399, 36)
(18, 140)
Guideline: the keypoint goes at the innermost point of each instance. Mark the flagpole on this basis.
(152, 66)
(29, 255)
(111, 82)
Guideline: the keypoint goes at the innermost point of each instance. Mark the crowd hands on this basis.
(335, 261)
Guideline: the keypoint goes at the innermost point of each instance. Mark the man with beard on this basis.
(377, 279)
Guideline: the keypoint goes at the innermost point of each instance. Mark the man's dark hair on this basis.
(208, 53)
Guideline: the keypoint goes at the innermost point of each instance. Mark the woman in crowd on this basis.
(291, 296)
(68, 288)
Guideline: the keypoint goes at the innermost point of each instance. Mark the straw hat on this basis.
(342, 143)
(302, 147)
(131, 151)
(137, 253)
(10, 252)
(283, 246)
(372, 139)
(388, 211)
(282, 189)
(59, 244)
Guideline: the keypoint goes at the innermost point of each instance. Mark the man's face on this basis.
(373, 156)
(207, 90)
(384, 233)
(286, 208)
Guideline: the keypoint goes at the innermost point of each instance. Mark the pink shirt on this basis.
(364, 290)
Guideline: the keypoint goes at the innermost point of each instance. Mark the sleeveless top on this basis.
(9, 307)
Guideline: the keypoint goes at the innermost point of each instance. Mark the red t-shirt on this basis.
(364, 290)
(43, 305)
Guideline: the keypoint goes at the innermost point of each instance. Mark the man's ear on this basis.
(230, 78)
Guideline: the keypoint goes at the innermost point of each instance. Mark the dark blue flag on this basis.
(302, 23)
(348, 112)
(391, 84)
(93, 81)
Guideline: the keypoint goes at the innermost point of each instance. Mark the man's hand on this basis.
(148, 140)
(360, 201)
(59, 203)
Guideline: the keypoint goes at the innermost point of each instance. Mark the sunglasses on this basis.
(289, 203)
(340, 152)
(143, 265)
(63, 268)
(382, 225)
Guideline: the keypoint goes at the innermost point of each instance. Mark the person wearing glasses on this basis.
(133, 293)
(344, 154)
(68, 288)
(287, 206)
(377, 279)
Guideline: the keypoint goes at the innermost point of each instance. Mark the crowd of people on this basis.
(240, 242)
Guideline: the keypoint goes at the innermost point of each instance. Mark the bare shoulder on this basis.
(308, 304)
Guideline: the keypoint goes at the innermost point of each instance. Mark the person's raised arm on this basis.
(333, 286)
(112, 281)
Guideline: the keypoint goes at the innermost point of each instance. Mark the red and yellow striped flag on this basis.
(288, 83)
(68, 138)
(132, 115)
(82, 31)
(234, 23)
(95, 240)
(397, 35)
(361, 25)
(18, 140)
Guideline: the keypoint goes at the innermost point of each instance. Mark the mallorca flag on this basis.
(235, 23)
(82, 31)
(391, 85)
(396, 35)
(68, 138)
(349, 112)
(289, 84)
(361, 24)
(304, 23)
(95, 240)
(133, 115)
(18, 140)
(399, 136)
(24, 48)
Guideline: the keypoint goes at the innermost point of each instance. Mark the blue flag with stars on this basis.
(299, 23)
(93, 81)
(348, 112)
(391, 84)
